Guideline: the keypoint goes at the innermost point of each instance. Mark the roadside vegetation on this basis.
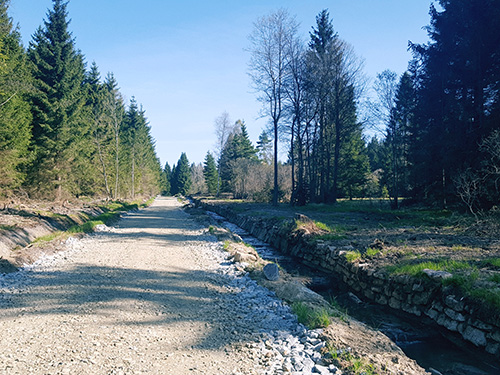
(111, 213)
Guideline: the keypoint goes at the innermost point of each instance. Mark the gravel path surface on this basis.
(155, 295)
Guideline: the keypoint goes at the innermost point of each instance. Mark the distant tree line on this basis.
(238, 168)
(64, 132)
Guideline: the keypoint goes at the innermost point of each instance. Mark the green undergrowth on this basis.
(350, 363)
(311, 317)
(356, 255)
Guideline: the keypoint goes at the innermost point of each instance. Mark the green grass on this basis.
(353, 364)
(111, 214)
(352, 256)
(311, 318)
(495, 262)
(370, 253)
(324, 226)
(464, 281)
(416, 269)
(7, 227)
(338, 311)
(465, 276)
(48, 237)
(495, 278)
(490, 296)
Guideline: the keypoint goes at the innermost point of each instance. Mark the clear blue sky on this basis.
(185, 62)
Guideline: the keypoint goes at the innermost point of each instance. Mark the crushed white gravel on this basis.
(154, 295)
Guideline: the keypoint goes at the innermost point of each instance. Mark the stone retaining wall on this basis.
(475, 323)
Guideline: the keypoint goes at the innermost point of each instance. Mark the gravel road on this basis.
(155, 295)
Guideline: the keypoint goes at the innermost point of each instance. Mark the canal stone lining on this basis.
(473, 322)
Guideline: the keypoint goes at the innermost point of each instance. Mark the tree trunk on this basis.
(292, 155)
(275, 190)
(103, 166)
(117, 162)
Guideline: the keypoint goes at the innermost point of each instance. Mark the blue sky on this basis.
(185, 61)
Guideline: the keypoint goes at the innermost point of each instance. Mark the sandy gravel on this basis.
(144, 298)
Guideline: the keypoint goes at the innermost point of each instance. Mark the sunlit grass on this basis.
(311, 318)
(352, 256)
(416, 269)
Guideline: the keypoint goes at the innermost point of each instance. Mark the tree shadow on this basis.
(116, 294)
(167, 295)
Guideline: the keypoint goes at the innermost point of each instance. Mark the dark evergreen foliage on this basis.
(63, 132)
(15, 117)
(210, 173)
(181, 176)
(167, 173)
(457, 78)
(58, 127)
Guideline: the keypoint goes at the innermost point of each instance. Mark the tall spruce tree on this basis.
(101, 130)
(167, 171)
(265, 148)
(58, 129)
(335, 72)
(15, 116)
(210, 173)
(398, 138)
(181, 178)
(115, 112)
(457, 79)
(237, 148)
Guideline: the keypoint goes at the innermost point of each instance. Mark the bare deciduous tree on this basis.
(223, 128)
(269, 62)
(468, 185)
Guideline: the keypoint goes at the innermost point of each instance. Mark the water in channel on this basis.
(431, 346)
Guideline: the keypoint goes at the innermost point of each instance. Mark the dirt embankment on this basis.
(21, 225)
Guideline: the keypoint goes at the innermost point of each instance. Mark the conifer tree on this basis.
(210, 173)
(181, 179)
(115, 112)
(457, 80)
(15, 116)
(265, 148)
(101, 128)
(58, 129)
(167, 172)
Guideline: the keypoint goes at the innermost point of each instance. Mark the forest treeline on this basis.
(440, 142)
(438, 123)
(65, 132)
